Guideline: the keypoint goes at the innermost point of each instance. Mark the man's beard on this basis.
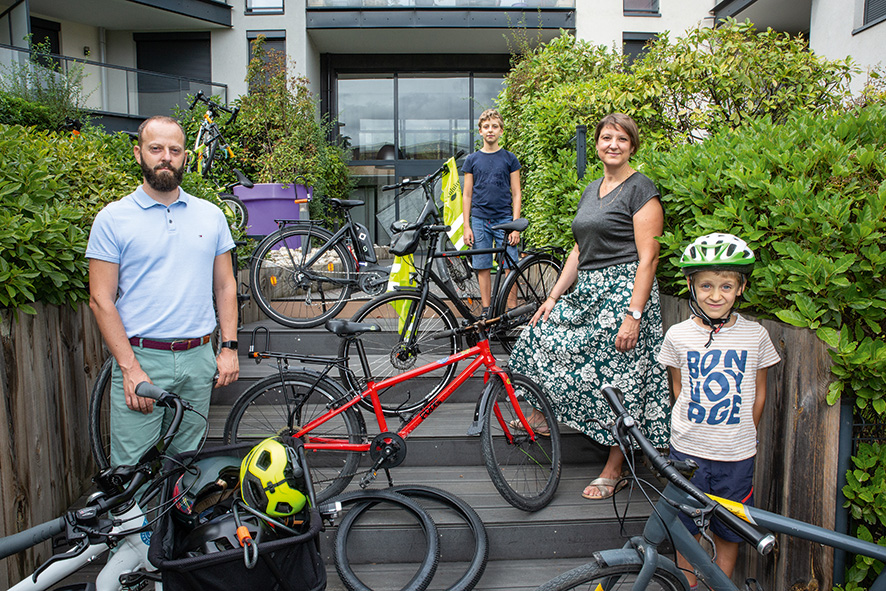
(163, 183)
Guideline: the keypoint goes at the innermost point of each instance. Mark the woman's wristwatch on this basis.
(635, 314)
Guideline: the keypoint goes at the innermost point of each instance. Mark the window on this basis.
(275, 41)
(46, 33)
(634, 45)
(640, 7)
(874, 10)
(264, 6)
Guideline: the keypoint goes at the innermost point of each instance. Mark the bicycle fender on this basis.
(625, 556)
(483, 405)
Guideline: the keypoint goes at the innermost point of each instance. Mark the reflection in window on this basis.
(486, 89)
(366, 116)
(434, 116)
(640, 7)
(264, 6)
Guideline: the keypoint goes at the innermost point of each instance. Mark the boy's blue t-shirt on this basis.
(491, 197)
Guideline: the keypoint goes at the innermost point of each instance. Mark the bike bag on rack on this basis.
(364, 243)
(290, 563)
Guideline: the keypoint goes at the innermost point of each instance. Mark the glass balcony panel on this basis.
(529, 4)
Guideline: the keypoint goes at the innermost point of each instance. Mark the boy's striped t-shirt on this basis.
(713, 415)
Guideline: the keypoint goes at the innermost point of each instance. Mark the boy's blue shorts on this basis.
(484, 236)
(729, 480)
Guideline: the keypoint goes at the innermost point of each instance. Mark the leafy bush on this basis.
(46, 93)
(708, 81)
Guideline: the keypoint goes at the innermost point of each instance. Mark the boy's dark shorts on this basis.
(729, 480)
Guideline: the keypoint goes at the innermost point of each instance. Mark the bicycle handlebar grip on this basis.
(197, 97)
(234, 114)
(25, 539)
(519, 311)
(149, 390)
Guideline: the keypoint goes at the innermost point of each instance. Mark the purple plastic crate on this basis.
(267, 202)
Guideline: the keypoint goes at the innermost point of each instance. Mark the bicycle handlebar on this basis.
(214, 106)
(23, 540)
(424, 180)
(763, 542)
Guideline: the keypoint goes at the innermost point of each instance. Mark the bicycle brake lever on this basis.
(80, 548)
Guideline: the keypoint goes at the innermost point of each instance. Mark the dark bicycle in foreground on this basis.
(638, 565)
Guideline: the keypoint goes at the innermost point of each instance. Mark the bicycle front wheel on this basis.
(595, 576)
(525, 472)
(406, 340)
(293, 285)
(279, 407)
(234, 210)
(99, 426)
(531, 282)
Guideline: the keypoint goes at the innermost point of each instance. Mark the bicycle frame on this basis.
(483, 357)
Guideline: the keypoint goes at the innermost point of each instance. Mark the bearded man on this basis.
(156, 257)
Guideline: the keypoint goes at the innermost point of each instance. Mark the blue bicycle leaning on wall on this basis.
(639, 566)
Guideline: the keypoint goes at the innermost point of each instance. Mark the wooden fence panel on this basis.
(47, 365)
(796, 468)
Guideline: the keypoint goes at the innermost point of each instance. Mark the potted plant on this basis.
(285, 144)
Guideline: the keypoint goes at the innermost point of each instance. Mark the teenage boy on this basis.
(491, 196)
(718, 363)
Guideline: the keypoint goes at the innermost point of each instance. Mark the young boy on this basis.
(491, 196)
(718, 363)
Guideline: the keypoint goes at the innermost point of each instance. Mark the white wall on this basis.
(602, 23)
(830, 35)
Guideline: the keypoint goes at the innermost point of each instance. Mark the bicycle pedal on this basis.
(368, 479)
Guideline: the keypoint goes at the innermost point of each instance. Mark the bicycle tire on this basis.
(477, 564)
(267, 408)
(209, 158)
(367, 499)
(235, 210)
(532, 281)
(594, 575)
(526, 473)
(286, 291)
(374, 356)
(99, 426)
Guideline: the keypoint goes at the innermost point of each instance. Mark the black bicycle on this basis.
(410, 317)
(303, 274)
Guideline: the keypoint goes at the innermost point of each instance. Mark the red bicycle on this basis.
(523, 459)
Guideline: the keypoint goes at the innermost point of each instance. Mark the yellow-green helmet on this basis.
(717, 252)
(272, 480)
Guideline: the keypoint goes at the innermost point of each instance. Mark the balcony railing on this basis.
(499, 4)
(119, 90)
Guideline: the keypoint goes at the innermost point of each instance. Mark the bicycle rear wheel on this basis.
(291, 289)
(525, 472)
(374, 356)
(531, 282)
(595, 576)
(275, 407)
(99, 426)
(234, 210)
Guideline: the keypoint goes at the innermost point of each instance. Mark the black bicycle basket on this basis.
(291, 563)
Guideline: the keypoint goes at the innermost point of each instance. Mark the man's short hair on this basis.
(490, 114)
(159, 119)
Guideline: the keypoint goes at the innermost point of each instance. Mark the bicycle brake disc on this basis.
(403, 356)
(388, 450)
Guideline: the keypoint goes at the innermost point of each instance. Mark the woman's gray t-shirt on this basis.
(604, 228)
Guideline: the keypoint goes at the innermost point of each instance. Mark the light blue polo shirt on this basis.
(166, 257)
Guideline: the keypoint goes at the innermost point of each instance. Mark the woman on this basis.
(607, 330)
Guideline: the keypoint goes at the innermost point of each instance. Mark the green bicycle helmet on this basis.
(272, 479)
(717, 252)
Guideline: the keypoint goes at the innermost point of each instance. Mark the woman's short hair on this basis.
(623, 121)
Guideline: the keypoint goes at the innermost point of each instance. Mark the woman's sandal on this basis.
(606, 486)
(516, 425)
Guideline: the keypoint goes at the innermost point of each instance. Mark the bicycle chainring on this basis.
(372, 283)
(387, 450)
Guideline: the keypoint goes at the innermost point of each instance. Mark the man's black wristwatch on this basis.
(229, 345)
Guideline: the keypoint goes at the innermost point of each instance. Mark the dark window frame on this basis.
(633, 38)
(264, 11)
(652, 11)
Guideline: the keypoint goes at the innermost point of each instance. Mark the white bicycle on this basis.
(111, 518)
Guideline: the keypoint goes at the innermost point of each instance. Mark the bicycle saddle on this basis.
(346, 327)
(346, 203)
(518, 224)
